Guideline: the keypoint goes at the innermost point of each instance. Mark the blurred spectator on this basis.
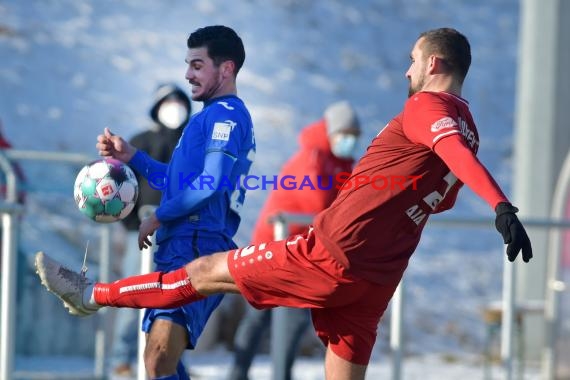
(170, 114)
(326, 149)
(5, 144)
(21, 196)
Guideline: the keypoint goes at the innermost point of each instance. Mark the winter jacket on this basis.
(315, 160)
(158, 142)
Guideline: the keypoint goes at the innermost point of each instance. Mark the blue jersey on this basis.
(201, 190)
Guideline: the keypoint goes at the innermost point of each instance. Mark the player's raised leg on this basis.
(337, 368)
(82, 296)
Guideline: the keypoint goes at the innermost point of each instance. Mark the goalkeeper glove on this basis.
(512, 231)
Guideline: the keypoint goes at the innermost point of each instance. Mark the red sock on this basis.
(157, 290)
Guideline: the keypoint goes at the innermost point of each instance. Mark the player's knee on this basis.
(208, 272)
(200, 272)
(156, 361)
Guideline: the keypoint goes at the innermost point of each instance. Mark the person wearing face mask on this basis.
(169, 113)
(326, 148)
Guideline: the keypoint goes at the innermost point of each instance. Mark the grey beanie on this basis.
(341, 116)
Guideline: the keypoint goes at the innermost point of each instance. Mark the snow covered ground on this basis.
(71, 67)
(214, 365)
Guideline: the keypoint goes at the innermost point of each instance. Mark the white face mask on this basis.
(343, 145)
(172, 114)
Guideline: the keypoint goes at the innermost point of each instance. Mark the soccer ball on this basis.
(106, 190)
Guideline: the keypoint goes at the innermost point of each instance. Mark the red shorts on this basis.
(299, 272)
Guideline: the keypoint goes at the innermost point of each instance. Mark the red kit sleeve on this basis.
(431, 120)
(468, 169)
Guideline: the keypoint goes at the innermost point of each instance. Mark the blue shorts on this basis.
(173, 254)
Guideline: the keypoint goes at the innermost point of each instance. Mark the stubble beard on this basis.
(210, 93)
(412, 90)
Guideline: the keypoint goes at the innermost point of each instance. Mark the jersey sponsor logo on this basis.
(469, 135)
(222, 130)
(226, 106)
(443, 123)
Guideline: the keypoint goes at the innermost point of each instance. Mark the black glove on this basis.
(513, 232)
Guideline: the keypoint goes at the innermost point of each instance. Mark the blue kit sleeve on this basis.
(146, 165)
(217, 166)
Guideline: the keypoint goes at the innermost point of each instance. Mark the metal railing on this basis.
(554, 283)
(509, 306)
(9, 210)
(147, 265)
(280, 316)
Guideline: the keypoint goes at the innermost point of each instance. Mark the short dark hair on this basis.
(451, 46)
(223, 44)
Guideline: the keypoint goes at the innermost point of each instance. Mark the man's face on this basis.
(205, 77)
(416, 74)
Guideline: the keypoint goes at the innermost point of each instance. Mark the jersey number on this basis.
(237, 197)
(433, 199)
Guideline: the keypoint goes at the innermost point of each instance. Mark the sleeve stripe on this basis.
(439, 137)
(212, 150)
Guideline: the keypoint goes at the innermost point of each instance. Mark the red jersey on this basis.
(374, 227)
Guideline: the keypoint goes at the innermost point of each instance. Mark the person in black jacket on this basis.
(170, 113)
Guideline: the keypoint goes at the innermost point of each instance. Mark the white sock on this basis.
(89, 298)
